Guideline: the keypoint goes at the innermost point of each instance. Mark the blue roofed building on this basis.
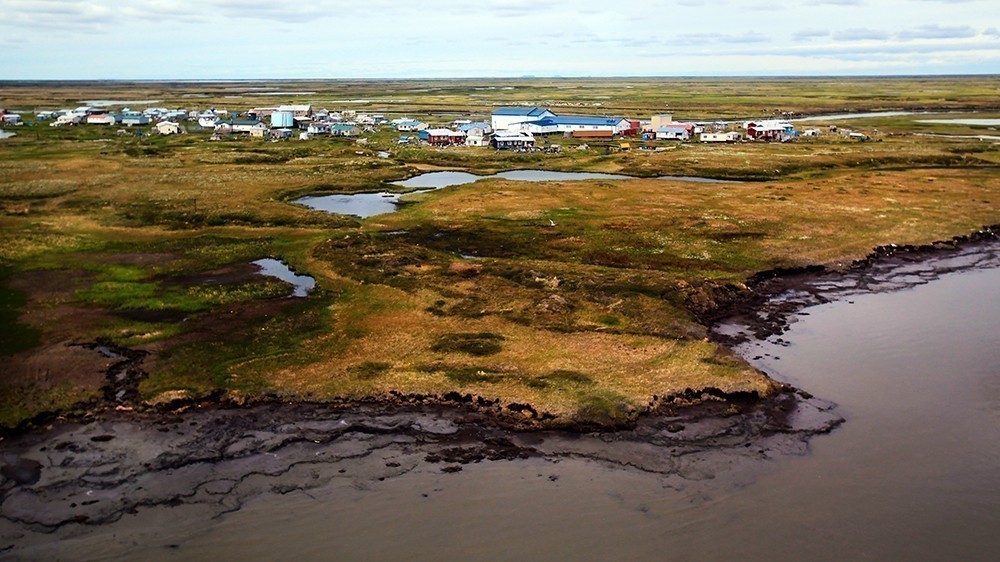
(504, 118)
(568, 124)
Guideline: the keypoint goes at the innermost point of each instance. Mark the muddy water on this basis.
(913, 474)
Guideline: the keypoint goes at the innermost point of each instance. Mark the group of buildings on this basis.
(508, 128)
(540, 121)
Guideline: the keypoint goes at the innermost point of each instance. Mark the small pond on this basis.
(6, 134)
(842, 116)
(109, 103)
(366, 205)
(275, 268)
(966, 121)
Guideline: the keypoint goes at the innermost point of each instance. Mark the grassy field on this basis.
(582, 298)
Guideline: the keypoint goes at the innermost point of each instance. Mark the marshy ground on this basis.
(555, 303)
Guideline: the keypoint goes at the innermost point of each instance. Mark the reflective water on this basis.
(842, 116)
(984, 122)
(365, 205)
(275, 268)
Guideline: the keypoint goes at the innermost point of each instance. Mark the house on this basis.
(769, 129)
(318, 128)
(476, 138)
(133, 119)
(675, 131)
(810, 133)
(248, 126)
(504, 118)
(409, 125)
(512, 140)
(731, 136)
(281, 133)
(167, 128)
(442, 137)
(240, 126)
(345, 130)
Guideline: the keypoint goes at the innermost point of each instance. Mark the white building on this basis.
(504, 118)
(167, 128)
(101, 119)
(731, 136)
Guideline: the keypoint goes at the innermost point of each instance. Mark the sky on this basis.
(258, 39)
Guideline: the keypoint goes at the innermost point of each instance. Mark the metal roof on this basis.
(578, 120)
(520, 111)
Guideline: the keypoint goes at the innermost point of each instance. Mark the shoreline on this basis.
(75, 475)
(759, 306)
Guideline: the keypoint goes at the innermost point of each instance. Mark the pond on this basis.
(842, 116)
(963, 121)
(109, 103)
(301, 284)
(366, 205)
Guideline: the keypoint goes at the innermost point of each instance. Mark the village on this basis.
(519, 128)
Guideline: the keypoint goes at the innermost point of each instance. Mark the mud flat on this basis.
(73, 482)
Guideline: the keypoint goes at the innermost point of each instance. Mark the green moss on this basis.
(477, 344)
(14, 336)
(370, 369)
(244, 358)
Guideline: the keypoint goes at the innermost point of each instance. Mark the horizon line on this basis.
(521, 77)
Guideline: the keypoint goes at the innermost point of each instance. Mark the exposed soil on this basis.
(772, 298)
(101, 471)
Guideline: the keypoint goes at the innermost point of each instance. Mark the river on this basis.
(913, 473)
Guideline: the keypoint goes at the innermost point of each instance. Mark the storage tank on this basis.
(282, 119)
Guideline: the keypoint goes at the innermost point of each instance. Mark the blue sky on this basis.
(248, 39)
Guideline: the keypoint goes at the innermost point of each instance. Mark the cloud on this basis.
(934, 31)
(147, 38)
(860, 34)
(810, 34)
